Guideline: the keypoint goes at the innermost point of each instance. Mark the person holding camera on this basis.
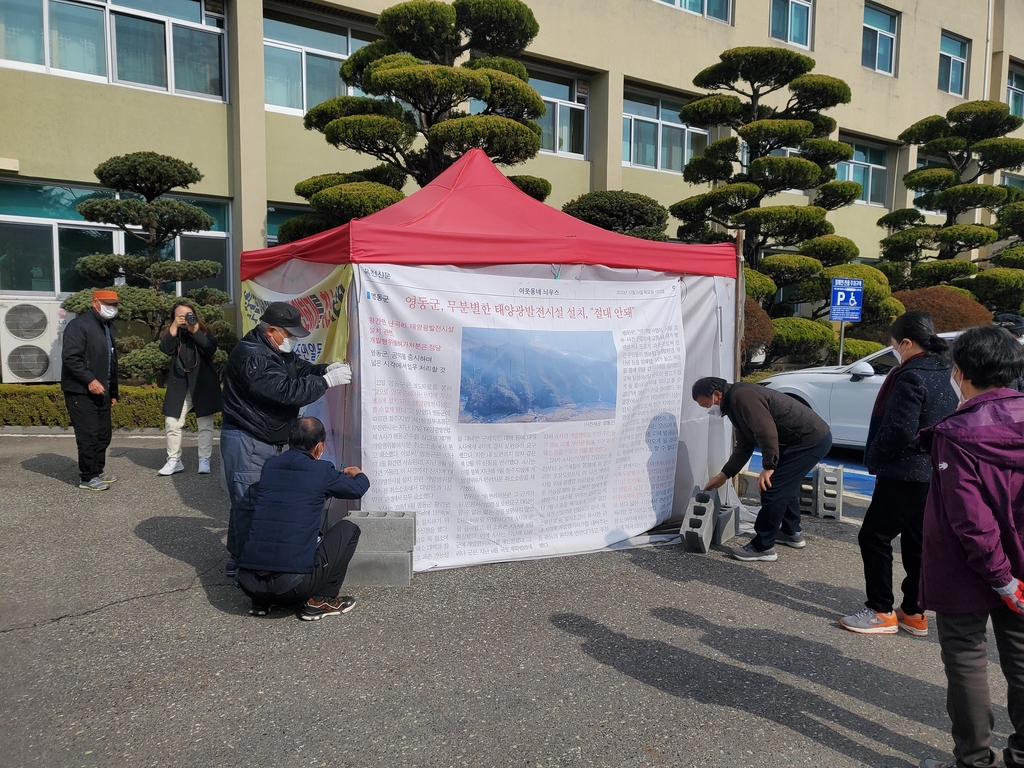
(192, 384)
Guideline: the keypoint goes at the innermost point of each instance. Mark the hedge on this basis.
(947, 306)
(800, 339)
(853, 349)
(42, 405)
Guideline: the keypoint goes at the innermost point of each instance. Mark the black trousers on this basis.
(90, 417)
(896, 509)
(964, 643)
(330, 564)
(780, 504)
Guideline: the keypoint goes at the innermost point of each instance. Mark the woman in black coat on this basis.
(916, 394)
(192, 384)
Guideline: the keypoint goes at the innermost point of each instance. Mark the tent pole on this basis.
(741, 295)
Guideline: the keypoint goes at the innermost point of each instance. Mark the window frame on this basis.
(871, 167)
(119, 240)
(661, 125)
(541, 74)
(965, 60)
(303, 51)
(679, 5)
(809, 5)
(1018, 70)
(895, 37)
(110, 9)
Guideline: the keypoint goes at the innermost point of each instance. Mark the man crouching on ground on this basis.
(287, 559)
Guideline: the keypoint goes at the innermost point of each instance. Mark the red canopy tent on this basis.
(473, 215)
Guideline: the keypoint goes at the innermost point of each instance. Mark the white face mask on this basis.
(287, 345)
(108, 312)
(715, 410)
(898, 355)
(956, 388)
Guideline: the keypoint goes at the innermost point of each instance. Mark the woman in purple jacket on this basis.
(973, 547)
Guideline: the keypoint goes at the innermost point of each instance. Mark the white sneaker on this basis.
(204, 466)
(173, 466)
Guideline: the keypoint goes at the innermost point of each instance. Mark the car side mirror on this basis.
(861, 370)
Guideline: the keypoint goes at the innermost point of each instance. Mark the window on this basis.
(564, 126)
(878, 46)
(1013, 181)
(791, 21)
(713, 9)
(952, 64)
(278, 215)
(867, 168)
(302, 60)
(1015, 92)
(653, 136)
(42, 237)
(169, 45)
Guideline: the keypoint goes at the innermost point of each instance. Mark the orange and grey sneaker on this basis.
(914, 623)
(316, 608)
(869, 622)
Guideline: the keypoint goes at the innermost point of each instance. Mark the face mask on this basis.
(287, 345)
(108, 312)
(898, 354)
(715, 410)
(956, 388)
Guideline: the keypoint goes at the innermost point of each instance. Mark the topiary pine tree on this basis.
(970, 143)
(146, 216)
(417, 125)
(628, 213)
(752, 74)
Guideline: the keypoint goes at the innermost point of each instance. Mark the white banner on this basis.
(518, 417)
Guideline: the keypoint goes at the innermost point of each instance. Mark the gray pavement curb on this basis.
(68, 432)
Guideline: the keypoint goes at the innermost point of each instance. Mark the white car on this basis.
(843, 395)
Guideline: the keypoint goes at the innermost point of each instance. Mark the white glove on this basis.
(338, 374)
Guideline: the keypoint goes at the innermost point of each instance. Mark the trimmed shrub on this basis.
(759, 287)
(831, 250)
(621, 212)
(1010, 257)
(801, 340)
(758, 330)
(896, 272)
(534, 186)
(930, 273)
(789, 268)
(947, 306)
(853, 349)
(42, 405)
(1000, 289)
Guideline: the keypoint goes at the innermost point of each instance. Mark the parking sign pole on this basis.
(842, 338)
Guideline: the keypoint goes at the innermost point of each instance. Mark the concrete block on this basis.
(385, 531)
(698, 526)
(379, 569)
(727, 524)
(829, 493)
(809, 493)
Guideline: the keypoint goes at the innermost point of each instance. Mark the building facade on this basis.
(224, 84)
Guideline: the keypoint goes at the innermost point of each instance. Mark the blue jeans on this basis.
(780, 504)
(243, 457)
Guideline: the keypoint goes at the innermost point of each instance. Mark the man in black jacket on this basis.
(792, 439)
(265, 385)
(288, 559)
(89, 381)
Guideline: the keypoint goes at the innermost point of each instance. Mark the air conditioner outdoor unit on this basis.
(30, 339)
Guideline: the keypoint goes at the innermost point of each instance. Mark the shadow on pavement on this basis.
(688, 675)
(62, 468)
(822, 664)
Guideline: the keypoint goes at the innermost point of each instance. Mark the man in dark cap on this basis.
(1015, 325)
(265, 385)
(89, 381)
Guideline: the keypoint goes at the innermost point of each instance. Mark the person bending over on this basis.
(792, 439)
(287, 559)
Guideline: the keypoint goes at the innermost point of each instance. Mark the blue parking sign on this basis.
(847, 299)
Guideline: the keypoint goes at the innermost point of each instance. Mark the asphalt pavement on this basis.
(121, 644)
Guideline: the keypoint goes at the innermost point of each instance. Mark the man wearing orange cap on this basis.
(89, 381)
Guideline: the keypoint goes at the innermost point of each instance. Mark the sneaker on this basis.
(204, 466)
(230, 568)
(931, 762)
(108, 478)
(318, 607)
(93, 485)
(869, 622)
(260, 609)
(172, 467)
(796, 540)
(749, 553)
(915, 624)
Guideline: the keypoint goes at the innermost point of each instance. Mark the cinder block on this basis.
(829, 493)
(379, 569)
(698, 526)
(727, 524)
(809, 493)
(385, 531)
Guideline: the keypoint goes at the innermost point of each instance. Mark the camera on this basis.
(191, 319)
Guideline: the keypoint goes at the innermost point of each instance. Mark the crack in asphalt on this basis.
(196, 582)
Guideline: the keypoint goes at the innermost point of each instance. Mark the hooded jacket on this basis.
(974, 519)
(920, 394)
